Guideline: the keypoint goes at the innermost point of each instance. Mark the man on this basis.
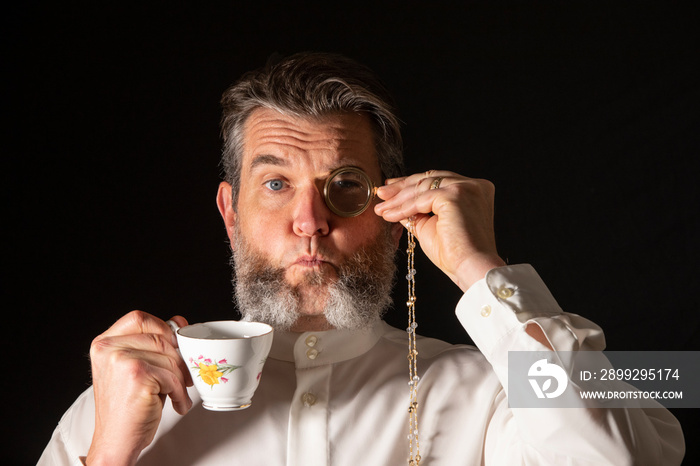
(334, 388)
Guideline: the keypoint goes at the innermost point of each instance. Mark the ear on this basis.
(225, 203)
(396, 232)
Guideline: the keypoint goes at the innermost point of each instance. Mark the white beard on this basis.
(355, 300)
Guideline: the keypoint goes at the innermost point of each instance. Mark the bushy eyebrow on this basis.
(267, 159)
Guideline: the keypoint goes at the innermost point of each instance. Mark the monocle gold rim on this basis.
(371, 191)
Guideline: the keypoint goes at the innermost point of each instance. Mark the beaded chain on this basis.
(413, 445)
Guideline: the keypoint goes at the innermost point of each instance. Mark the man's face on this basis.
(281, 219)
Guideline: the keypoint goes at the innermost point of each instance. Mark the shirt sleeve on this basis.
(71, 439)
(496, 312)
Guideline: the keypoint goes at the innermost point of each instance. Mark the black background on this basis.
(585, 118)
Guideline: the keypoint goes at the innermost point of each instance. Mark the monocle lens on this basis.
(348, 191)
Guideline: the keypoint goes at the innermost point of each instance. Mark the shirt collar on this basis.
(313, 349)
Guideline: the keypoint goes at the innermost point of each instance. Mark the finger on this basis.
(415, 184)
(180, 321)
(144, 342)
(389, 181)
(165, 382)
(147, 342)
(392, 185)
(154, 349)
(403, 211)
(136, 322)
(417, 220)
(430, 174)
(415, 199)
(148, 372)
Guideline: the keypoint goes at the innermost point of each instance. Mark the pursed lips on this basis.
(310, 261)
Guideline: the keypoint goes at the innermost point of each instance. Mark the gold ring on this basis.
(436, 182)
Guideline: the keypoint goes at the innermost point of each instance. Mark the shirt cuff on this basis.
(502, 302)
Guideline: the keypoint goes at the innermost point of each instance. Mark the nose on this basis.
(311, 215)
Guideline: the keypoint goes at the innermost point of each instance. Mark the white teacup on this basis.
(226, 360)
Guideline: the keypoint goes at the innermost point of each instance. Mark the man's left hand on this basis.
(453, 218)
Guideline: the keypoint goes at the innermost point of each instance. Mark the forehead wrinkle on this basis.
(270, 134)
(337, 140)
(322, 132)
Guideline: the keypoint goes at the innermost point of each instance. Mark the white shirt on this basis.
(341, 398)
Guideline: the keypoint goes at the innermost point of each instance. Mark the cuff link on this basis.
(505, 292)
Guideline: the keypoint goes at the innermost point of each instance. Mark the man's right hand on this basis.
(135, 365)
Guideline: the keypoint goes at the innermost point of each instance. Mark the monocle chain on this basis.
(413, 444)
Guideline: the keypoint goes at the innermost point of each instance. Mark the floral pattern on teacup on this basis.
(212, 373)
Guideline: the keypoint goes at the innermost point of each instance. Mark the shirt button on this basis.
(485, 310)
(312, 353)
(504, 293)
(309, 399)
(311, 341)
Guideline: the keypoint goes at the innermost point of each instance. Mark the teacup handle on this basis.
(173, 326)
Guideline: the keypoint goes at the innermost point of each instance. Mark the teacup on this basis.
(226, 360)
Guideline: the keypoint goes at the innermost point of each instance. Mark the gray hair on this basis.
(310, 85)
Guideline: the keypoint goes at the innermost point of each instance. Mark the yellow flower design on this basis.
(210, 373)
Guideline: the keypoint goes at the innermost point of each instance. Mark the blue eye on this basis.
(275, 185)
